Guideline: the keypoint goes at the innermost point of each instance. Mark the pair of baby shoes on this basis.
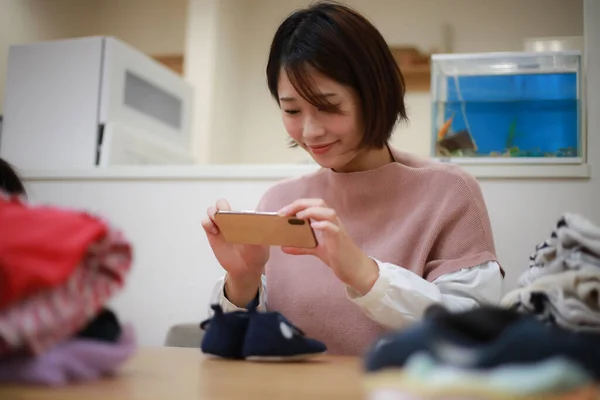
(258, 336)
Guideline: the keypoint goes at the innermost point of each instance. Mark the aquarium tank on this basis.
(507, 106)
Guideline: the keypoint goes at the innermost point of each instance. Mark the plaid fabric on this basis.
(48, 317)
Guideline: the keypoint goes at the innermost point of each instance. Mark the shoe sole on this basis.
(298, 357)
(215, 356)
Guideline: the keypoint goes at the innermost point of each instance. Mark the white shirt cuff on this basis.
(228, 306)
(376, 293)
(400, 296)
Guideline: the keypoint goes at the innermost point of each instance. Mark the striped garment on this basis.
(42, 319)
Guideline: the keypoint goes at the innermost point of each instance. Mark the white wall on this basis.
(24, 21)
(230, 45)
(218, 47)
(478, 25)
(226, 45)
(200, 70)
(153, 26)
(174, 269)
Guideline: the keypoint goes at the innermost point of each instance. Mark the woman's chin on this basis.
(330, 162)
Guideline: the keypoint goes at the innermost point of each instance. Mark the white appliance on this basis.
(93, 101)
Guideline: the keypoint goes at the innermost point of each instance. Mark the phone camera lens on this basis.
(296, 221)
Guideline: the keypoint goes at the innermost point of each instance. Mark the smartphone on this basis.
(267, 229)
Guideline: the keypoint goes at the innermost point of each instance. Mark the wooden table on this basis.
(179, 374)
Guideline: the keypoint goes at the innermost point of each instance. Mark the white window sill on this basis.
(480, 169)
(532, 171)
(523, 168)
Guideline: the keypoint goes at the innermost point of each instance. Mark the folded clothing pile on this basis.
(562, 284)
(541, 342)
(484, 353)
(58, 270)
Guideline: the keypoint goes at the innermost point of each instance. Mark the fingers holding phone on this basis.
(209, 224)
(335, 247)
(239, 260)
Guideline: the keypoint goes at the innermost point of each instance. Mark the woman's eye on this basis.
(292, 112)
(334, 109)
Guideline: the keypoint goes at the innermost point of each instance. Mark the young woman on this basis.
(396, 233)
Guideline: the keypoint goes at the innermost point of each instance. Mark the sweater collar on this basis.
(365, 183)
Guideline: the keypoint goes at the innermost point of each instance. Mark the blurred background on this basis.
(220, 47)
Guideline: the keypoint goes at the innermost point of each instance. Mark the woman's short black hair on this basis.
(343, 45)
(9, 180)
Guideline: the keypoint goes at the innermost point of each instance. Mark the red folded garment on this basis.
(40, 247)
(50, 316)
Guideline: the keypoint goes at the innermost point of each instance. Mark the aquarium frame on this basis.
(506, 54)
(555, 167)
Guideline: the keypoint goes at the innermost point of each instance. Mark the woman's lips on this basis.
(321, 149)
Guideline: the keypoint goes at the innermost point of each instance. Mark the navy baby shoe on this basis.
(271, 337)
(265, 336)
(225, 333)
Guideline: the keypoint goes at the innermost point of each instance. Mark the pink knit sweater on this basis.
(427, 217)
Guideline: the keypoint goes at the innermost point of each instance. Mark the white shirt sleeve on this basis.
(399, 296)
(218, 297)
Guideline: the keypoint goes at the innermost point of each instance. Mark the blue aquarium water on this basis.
(525, 115)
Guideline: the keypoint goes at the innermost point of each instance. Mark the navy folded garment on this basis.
(467, 328)
(484, 338)
(481, 324)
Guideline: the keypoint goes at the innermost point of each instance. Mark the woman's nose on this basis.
(312, 128)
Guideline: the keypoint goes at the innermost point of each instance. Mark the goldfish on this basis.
(445, 128)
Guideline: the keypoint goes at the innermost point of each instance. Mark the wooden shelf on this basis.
(172, 61)
(415, 67)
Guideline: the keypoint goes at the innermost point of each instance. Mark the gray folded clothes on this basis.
(581, 225)
(572, 231)
(565, 242)
(570, 313)
(570, 299)
(569, 238)
(543, 255)
(574, 259)
(545, 250)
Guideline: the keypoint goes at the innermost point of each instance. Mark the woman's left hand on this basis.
(335, 248)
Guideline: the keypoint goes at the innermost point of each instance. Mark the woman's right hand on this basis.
(243, 263)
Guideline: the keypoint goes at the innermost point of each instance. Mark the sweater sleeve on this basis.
(400, 297)
(463, 234)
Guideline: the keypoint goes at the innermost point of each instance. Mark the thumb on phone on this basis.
(222, 204)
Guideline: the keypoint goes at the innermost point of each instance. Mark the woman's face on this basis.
(332, 139)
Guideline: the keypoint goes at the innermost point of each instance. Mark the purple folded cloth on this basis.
(75, 360)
